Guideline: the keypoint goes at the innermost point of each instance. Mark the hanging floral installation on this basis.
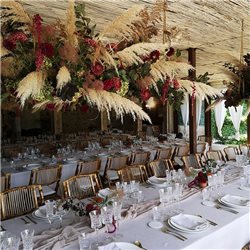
(66, 66)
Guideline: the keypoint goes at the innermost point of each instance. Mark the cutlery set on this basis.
(226, 209)
(174, 233)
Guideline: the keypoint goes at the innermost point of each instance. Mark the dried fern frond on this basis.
(202, 90)
(63, 77)
(31, 85)
(134, 53)
(70, 27)
(105, 100)
(13, 11)
(161, 68)
(121, 27)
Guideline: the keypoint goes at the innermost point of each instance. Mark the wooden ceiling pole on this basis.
(208, 131)
(192, 105)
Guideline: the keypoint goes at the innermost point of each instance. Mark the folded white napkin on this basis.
(110, 246)
(189, 222)
(105, 192)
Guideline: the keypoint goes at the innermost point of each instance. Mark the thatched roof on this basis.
(213, 27)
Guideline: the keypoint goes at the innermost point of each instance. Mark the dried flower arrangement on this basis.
(68, 66)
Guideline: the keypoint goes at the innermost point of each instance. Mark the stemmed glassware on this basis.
(60, 212)
(117, 209)
(107, 218)
(96, 223)
(50, 209)
(11, 243)
(27, 239)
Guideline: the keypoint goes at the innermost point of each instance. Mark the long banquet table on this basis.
(232, 231)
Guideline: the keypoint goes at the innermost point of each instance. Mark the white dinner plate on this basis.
(32, 166)
(121, 246)
(189, 223)
(160, 182)
(235, 201)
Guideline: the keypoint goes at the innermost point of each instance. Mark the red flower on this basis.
(91, 42)
(97, 69)
(84, 108)
(155, 55)
(145, 94)
(108, 84)
(9, 44)
(116, 83)
(18, 36)
(47, 49)
(177, 85)
(170, 52)
(39, 59)
(145, 58)
(112, 47)
(50, 106)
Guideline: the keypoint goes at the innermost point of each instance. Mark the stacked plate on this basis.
(234, 201)
(32, 166)
(40, 213)
(188, 223)
(157, 181)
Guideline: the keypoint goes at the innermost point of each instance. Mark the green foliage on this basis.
(228, 130)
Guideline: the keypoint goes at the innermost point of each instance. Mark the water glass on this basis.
(156, 211)
(84, 243)
(27, 239)
(117, 209)
(96, 224)
(107, 216)
(50, 210)
(205, 194)
(11, 243)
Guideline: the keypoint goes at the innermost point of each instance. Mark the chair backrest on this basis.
(46, 176)
(159, 168)
(215, 155)
(156, 130)
(5, 182)
(88, 167)
(164, 153)
(188, 163)
(117, 162)
(107, 140)
(231, 152)
(182, 150)
(81, 186)
(244, 149)
(140, 158)
(201, 147)
(21, 200)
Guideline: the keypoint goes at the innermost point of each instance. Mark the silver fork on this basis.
(226, 209)
(175, 234)
(210, 221)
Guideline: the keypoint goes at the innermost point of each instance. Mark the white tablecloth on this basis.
(232, 231)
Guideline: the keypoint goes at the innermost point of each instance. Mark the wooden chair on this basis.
(21, 200)
(159, 168)
(166, 155)
(215, 155)
(48, 178)
(244, 149)
(116, 169)
(5, 182)
(188, 163)
(182, 150)
(81, 186)
(137, 168)
(201, 153)
(231, 152)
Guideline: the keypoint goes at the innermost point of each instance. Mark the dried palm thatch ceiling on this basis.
(211, 26)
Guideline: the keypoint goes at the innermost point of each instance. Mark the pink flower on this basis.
(177, 85)
(170, 51)
(145, 94)
(91, 42)
(97, 69)
(97, 84)
(155, 55)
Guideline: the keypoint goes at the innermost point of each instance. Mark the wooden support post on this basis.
(208, 131)
(139, 126)
(248, 129)
(57, 122)
(165, 118)
(192, 105)
(104, 120)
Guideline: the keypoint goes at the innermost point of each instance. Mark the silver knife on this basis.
(31, 219)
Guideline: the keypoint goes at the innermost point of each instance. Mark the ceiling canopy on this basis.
(213, 27)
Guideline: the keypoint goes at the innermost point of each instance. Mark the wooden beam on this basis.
(104, 120)
(208, 130)
(248, 129)
(192, 104)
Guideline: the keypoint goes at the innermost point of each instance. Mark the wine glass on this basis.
(117, 209)
(96, 224)
(107, 219)
(60, 212)
(27, 236)
(50, 205)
